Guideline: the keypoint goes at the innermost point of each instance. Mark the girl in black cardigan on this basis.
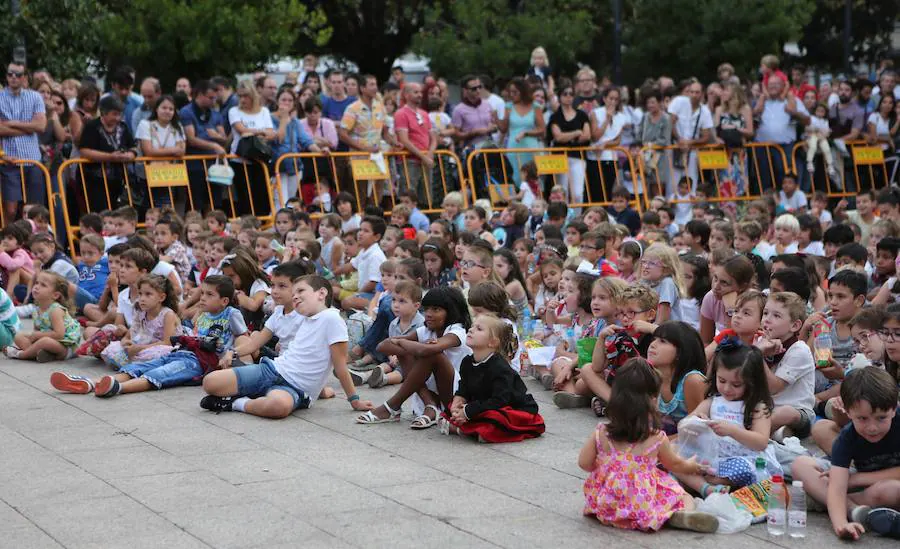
(491, 402)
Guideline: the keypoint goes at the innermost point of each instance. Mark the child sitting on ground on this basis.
(16, 264)
(216, 330)
(56, 333)
(626, 452)
(275, 388)
(407, 297)
(251, 286)
(430, 359)
(738, 406)
(167, 236)
(491, 403)
(104, 311)
(93, 270)
(155, 322)
(871, 444)
(791, 367)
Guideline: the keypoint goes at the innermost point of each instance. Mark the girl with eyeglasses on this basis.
(661, 271)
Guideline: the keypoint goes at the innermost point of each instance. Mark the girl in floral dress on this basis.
(625, 488)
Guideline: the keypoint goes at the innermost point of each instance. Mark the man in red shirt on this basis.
(415, 135)
(799, 85)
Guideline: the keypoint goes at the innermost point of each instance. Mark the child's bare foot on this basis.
(327, 392)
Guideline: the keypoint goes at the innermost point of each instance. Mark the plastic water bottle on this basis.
(797, 511)
(761, 472)
(823, 345)
(526, 324)
(570, 340)
(776, 518)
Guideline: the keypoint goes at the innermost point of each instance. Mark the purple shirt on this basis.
(325, 129)
(467, 118)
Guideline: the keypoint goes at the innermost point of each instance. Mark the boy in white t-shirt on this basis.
(367, 263)
(283, 322)
(787, 231)
(791, 369)
(292, 381)
(790, 198)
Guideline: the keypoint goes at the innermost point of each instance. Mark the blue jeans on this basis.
(178, 368)
(35, 186)
(83, 297)
(258, 380)
(766, 163)
(378, 331)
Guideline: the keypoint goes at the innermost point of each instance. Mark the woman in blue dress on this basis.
(523, 125)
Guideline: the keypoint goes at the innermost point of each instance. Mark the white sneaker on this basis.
(13, 352)
(25, 311)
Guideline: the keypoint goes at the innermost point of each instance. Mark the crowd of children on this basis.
(785, 323)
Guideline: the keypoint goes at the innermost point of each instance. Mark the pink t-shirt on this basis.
(714, 308)
(417, 123)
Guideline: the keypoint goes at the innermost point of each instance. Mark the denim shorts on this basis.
(178, 368)
(258, 380)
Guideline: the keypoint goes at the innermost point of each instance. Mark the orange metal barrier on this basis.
(352, 171)
(45, 173)
(501, 180)
(862, 156)
(729, 170)
(160, 173)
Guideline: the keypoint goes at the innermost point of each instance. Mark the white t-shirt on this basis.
(681, 107)
(798, 369)
(825, 219)
(259, 121)
(613, 130)
(765, 250)
(259, 285)
(814, 248)
(283, 326)
(527, 196)
(158, 136)
(350, 224)
(368, 264)
(110, 241)
(776, 124)
(882, 127)
(690, 311)
(125, 306)
(795, 202)
(163, 269)
(453, 354)
(65, 269)
(307, 361)
(819, 124)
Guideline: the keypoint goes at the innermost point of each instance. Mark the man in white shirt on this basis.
(779, 113)
(495, 101)
(693, 125)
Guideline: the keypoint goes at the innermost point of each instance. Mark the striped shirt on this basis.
(8, 315)
(21, 108)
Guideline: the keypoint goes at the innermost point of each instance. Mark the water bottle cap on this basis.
(760, 462)
(797, 484)
(777, 478)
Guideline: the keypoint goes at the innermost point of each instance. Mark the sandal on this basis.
(369, 418)
(423, 421)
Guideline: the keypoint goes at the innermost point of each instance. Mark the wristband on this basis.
(353, 398)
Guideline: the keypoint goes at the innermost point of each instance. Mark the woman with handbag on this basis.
(252, 128)
(162, 135)
(290, 138)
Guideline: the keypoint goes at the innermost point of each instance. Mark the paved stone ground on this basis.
(155, 470)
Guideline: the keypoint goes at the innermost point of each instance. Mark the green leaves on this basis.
(497, 36)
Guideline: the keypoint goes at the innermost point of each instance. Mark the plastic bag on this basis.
(697, 439)
(731, 519)
(788, 451)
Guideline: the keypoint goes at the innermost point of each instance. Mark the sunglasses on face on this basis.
(17, 74)
(475, 88)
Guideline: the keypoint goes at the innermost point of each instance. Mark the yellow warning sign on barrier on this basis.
(551, 164)
(868, 155)
(367, 170)
(163, 174)
(712, 160)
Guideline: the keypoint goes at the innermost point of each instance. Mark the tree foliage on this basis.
(371, 33)
(684, 38)
(496, 36)
(172, 38)
(60, 35)
(872, 22)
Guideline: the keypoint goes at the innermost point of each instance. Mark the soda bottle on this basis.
(776, 507)
(797, 511)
